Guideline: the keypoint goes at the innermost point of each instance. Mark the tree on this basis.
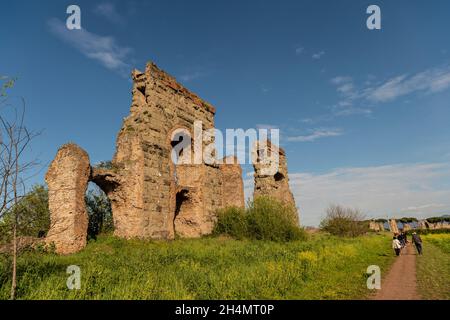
(99, 212)
(344, 222)
(34, 217)
(15, 140)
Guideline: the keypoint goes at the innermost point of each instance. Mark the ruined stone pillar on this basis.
(276, 184)
(67, 180)
(393, 226)
(376, 226)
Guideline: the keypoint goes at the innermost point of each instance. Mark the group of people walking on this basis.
(400, 240)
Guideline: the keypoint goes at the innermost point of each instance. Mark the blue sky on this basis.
(363, 114)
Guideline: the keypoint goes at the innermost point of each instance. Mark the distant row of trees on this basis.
(413, 219)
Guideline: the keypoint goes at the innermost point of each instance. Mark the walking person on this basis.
(403, 240)
(400, 239)
(417, 242)
(396, 245)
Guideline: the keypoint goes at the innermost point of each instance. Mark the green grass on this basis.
(323, 267)
(433, 267)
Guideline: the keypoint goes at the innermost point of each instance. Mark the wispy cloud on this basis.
(299, 50)
(429, 81)
(318, 55)
(350, 111)
(108, 10)
(265, 89)
(316, 134)
(370, 93)
(187, 77)
(102, 49)
(424, 207)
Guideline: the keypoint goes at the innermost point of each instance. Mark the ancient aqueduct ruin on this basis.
(151, 197)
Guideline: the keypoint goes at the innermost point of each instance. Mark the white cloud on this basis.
(348, 110)
(108, 10)
(428, 81)
(318, 55)
(361, 99)
(380, 191)
(316, 134)
(264, 89)
(192, 76)
(423, 207)
(341, 80)
(299, 50)
(103, 49)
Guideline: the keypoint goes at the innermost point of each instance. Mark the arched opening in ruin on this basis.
(278, 177)
(98, 207)
(187, 180)
(182, 198)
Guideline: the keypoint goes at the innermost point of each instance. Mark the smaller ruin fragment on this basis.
(269, 182)
(376, 226)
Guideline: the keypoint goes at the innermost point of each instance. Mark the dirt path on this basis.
(401, 282)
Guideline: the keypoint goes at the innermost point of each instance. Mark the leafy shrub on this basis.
(33, 216)
(232, 221)
(264, 219)
(344, 222)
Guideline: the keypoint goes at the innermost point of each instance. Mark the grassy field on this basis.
(433, 268)
(322, 267)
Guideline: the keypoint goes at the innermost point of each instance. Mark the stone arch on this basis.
(107, 181)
